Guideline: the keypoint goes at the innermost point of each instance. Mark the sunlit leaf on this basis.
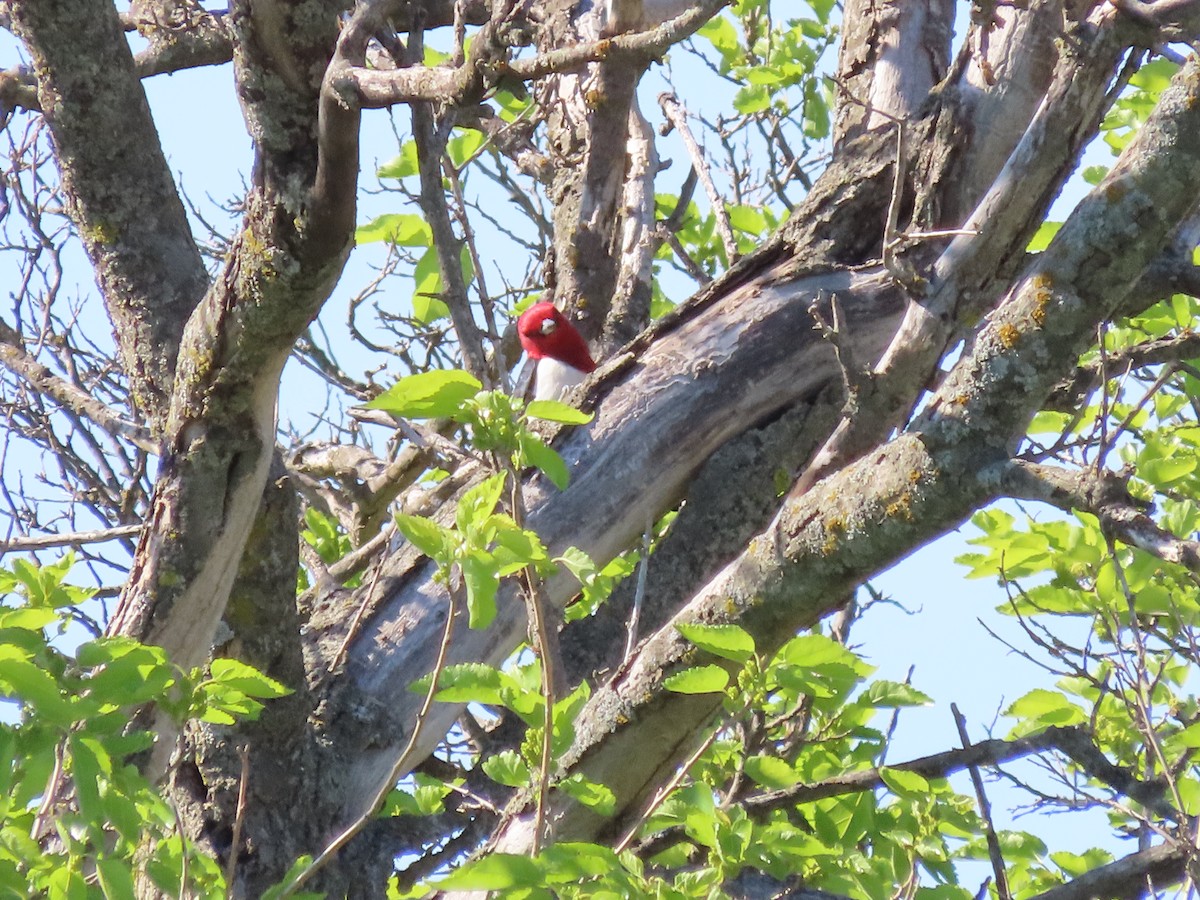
(428, 395)
(698, 680)
(726, 641)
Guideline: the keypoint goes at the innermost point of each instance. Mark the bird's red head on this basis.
(545, 332)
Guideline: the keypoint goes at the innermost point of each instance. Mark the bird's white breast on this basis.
(553, 378)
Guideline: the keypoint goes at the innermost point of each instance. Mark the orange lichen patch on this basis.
(1043, 294)
(835, 527)
(1009, 334)
(901, 507)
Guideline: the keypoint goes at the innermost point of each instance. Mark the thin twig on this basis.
(352, 631)
(238, 819)
(546, 644)
(891, 240)
(50, 797)
(666, 790)
(19, 361)
(677, 116)
(835, 334)
(639, 594)
(184, 893)
(985, 810)
(73, 538)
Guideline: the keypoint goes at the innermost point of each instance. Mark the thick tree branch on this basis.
(181, 35)
(294, 241)
(1106, 497)
(1130, 877)
(992, 239)
(126, 207)
(380, 88)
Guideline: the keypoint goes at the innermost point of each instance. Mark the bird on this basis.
(557, 347)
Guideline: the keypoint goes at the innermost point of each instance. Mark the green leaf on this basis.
(700, 814)
(748, 219)
(1164, 471)
(575, 861)
(516, 548)
(464, 145)
(427, 289)
(466, 683)
(66, 882)
(89, 764)
(726, 641)
(1046, 708)
(905, 784)
(751, 99)
(1074, 865)
(478, 503)
(426, 798)
(1189, 793)
(428, 395)
(723, 36)
(30, 684)
(1189, 737)
(233, 673)
(427, 536)
(1155, 76)
(109, 649)
(495, 872)
(401, 229)
(698, 680)
(554, 411)
(538, 453)
(812, 651)
(401, 166)
(479, 575)
(594, 796)
(28, 618)
(132, 678)
(578, 564)
(1043, 236)
(507, 768)
(895, 694)
(771, 771)
(116, 878)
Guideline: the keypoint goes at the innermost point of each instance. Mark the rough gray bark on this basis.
(126, 206)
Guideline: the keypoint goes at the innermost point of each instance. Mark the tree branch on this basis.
(125, 207)
(1128, 878)
(1105, 496)
(378, 88)
(14, 358)
(1073, 742)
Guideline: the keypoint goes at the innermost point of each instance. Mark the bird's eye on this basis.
(548, 326)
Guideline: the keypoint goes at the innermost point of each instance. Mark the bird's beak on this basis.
(548, 326)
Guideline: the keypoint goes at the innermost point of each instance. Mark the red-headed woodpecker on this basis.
(561, 353)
